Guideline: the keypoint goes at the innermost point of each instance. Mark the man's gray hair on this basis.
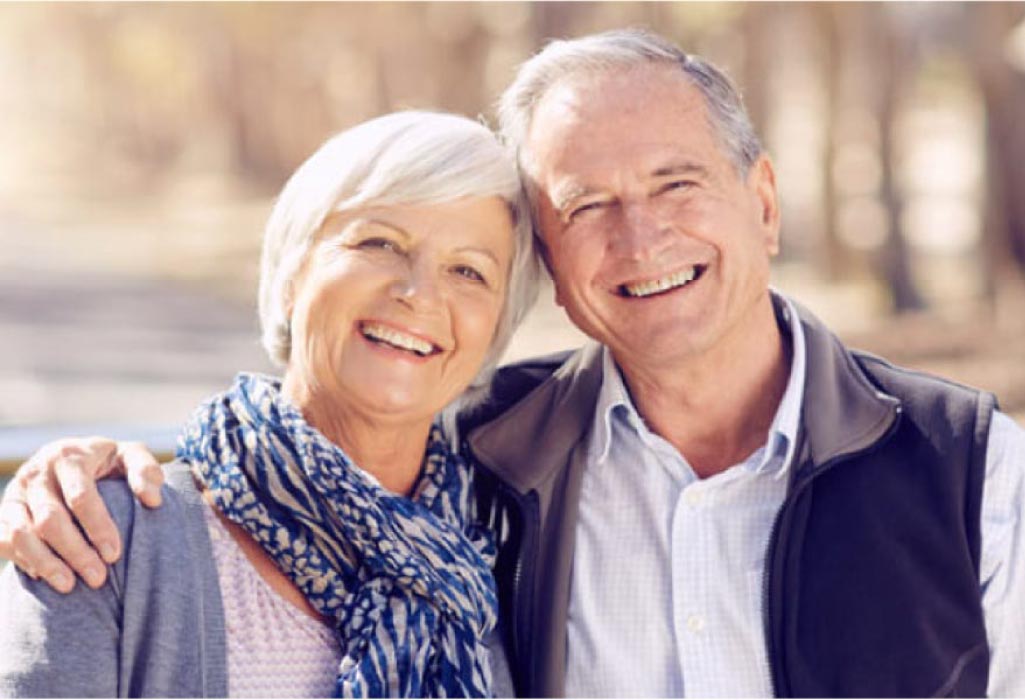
(410, 157)
(615, 50)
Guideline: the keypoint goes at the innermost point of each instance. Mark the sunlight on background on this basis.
(144, 144)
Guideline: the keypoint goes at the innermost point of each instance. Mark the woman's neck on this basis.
(392, 451)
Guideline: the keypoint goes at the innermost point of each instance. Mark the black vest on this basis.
(873, 566)
(872, 572)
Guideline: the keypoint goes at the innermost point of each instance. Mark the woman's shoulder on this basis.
(172, 529)
(98, 642)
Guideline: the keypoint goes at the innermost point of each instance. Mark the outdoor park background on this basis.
(142, 146)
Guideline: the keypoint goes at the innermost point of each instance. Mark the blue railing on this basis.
(18, 443)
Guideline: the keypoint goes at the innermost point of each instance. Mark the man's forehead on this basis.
(610, 107)
(574, 135)
(582, 96)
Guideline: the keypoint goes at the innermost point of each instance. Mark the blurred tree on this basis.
(1003, 89)
(896, 61)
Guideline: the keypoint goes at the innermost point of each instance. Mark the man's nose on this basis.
(642, 232)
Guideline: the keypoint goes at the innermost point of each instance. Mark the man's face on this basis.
(658, 247)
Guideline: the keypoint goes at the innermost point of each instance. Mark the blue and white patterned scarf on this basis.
(407, 582)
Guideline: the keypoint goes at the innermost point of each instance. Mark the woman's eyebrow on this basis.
(387, 224)
(480, 251)
(337, 224)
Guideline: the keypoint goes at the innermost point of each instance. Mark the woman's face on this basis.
(395, 307)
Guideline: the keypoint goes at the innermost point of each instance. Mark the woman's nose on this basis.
(418, 286)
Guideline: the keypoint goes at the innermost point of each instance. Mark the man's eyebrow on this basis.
(686, 168)
(562, 196)
(566, 194)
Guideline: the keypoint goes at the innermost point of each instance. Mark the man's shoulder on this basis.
(941, 406)
(904, 381)
(536, 369)
(509, 385)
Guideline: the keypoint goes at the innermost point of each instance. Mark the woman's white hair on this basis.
(411, 157)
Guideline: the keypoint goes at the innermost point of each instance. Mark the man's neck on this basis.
(716, 407)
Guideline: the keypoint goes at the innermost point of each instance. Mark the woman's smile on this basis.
(398, 342)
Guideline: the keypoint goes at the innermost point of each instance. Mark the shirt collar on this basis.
(613, 395)
(782, 437)
(614, 403)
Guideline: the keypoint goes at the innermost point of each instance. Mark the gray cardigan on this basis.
(155, 629)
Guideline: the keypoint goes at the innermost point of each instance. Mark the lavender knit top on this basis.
(275, 650)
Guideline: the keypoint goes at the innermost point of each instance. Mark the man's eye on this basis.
(468, 272)
(585, 208)
(677, 185)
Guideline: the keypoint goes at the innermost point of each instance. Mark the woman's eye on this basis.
(376, 243)
(468, 272)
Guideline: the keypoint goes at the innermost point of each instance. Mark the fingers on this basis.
(57, 486)
(52, 523)
(78, 488)
(145, 477)
(41, 528)
(27, 551)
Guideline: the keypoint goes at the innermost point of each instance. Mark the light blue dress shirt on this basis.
(682, 614)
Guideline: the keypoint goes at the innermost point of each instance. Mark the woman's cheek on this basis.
(317, 339)
(477, 323)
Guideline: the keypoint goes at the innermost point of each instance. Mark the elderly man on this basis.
(717, 497)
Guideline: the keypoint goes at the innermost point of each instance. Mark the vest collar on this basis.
(842, 412)
(531, 440)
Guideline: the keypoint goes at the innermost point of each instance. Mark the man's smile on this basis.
(661, 285)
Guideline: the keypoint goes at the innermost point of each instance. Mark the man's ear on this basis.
(762, 180)
(546, 259)
(558, 295)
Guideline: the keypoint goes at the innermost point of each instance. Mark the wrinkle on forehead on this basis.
(587, 113)
(579, 98)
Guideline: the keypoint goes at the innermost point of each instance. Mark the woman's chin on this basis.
(395, 400)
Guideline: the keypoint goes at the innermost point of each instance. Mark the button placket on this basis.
(689, 535)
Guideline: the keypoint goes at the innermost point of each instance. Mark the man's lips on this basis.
(661, 285)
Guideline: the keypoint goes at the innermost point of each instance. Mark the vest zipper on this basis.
(523, 589)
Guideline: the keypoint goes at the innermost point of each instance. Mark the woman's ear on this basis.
(288, 299)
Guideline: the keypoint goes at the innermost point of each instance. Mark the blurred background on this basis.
(142, 146)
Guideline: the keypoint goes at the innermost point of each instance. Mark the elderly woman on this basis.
(318, 537)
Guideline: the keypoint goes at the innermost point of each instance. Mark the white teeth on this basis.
(644, 289)
(384, 334)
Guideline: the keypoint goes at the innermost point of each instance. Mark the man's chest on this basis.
(667, 586)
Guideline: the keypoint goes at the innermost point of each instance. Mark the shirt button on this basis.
(692, 498)
(696, 624)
